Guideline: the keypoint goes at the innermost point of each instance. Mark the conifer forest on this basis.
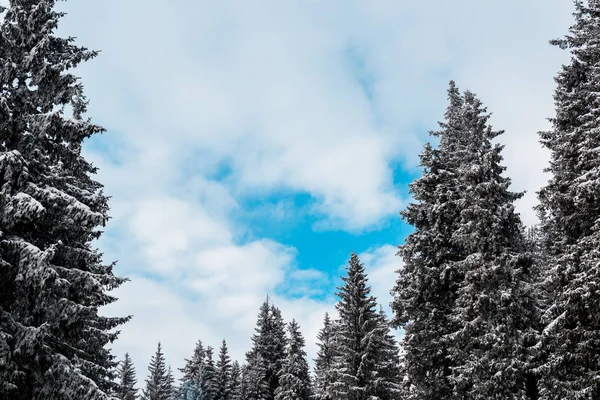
(488, 308)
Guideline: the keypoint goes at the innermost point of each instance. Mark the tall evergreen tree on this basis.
(324, 360)
(489, 322)
(191, 381)
(209, 377)
(127, 380)
(264, 360)
(224, 378)
(170, 385)
(427, 284)
(570, 206)
(236, 381)
(158, 384)
(495, 311)
(358, 369)
(52, 281)
(389, 381)
(294, 376)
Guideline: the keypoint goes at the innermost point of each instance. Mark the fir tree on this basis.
(495, 310)
(265, 359)
(465, 295)
(236, 381)
(127, 380)
(426, 288)
(324, 360)
(570, 207)
(224, 378)
(254, 385)
(209, 380)
(294, 376)
(359, 372)
(389, 380)
(52, 281)
(170, 385)
(158, 383)
(191, 381)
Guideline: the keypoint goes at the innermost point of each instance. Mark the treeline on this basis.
(358, 358)
(490, 310)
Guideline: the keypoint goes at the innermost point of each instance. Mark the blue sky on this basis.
(251, 146)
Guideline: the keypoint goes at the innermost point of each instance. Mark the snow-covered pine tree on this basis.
(191, 381)
(209, 377)
(158, 385)
(570, 204)
(236, 381)
(127, 380)
(358, 370)
(426, 287)
(52, 281)
(294, 377)
(389, 380)
(253, 383)
(465, 295)
(324, 360)
(495, 312)
(266, 357)
(224, 379)
(275, 350)
(170, 385)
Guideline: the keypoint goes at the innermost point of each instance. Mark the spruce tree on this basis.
(570, 206)
(294, 377)
(170, 385)
(495, 309)
(389, 381)
(158, 383)
(358, 368)
(264, 360)
(190, 388)
(324, 360)
(127, 380)
(224, 378)
(465, 295)
(236, 381)
(209, 377)
(52, 281)
(427, 284)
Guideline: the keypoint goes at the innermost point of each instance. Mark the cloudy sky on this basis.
(251, 146)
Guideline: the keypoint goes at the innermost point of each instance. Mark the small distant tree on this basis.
(127, 380)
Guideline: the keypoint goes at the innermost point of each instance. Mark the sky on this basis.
(252, 146)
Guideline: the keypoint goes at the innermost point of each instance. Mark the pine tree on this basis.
(254, 385)
(158, 383)
(324, 360)
(52, 281)
(427, 284)
(127, 380)
(294, 376)
(209, 377)
(495, 310)
(264, 360)
(236, 381)
(465, 295)
(275, 350)
(358, 370)
(224, 378)
(570, 205)
(389, 380)
(191, 380)
(170, 385)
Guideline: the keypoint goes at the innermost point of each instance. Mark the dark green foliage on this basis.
(52, 281)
